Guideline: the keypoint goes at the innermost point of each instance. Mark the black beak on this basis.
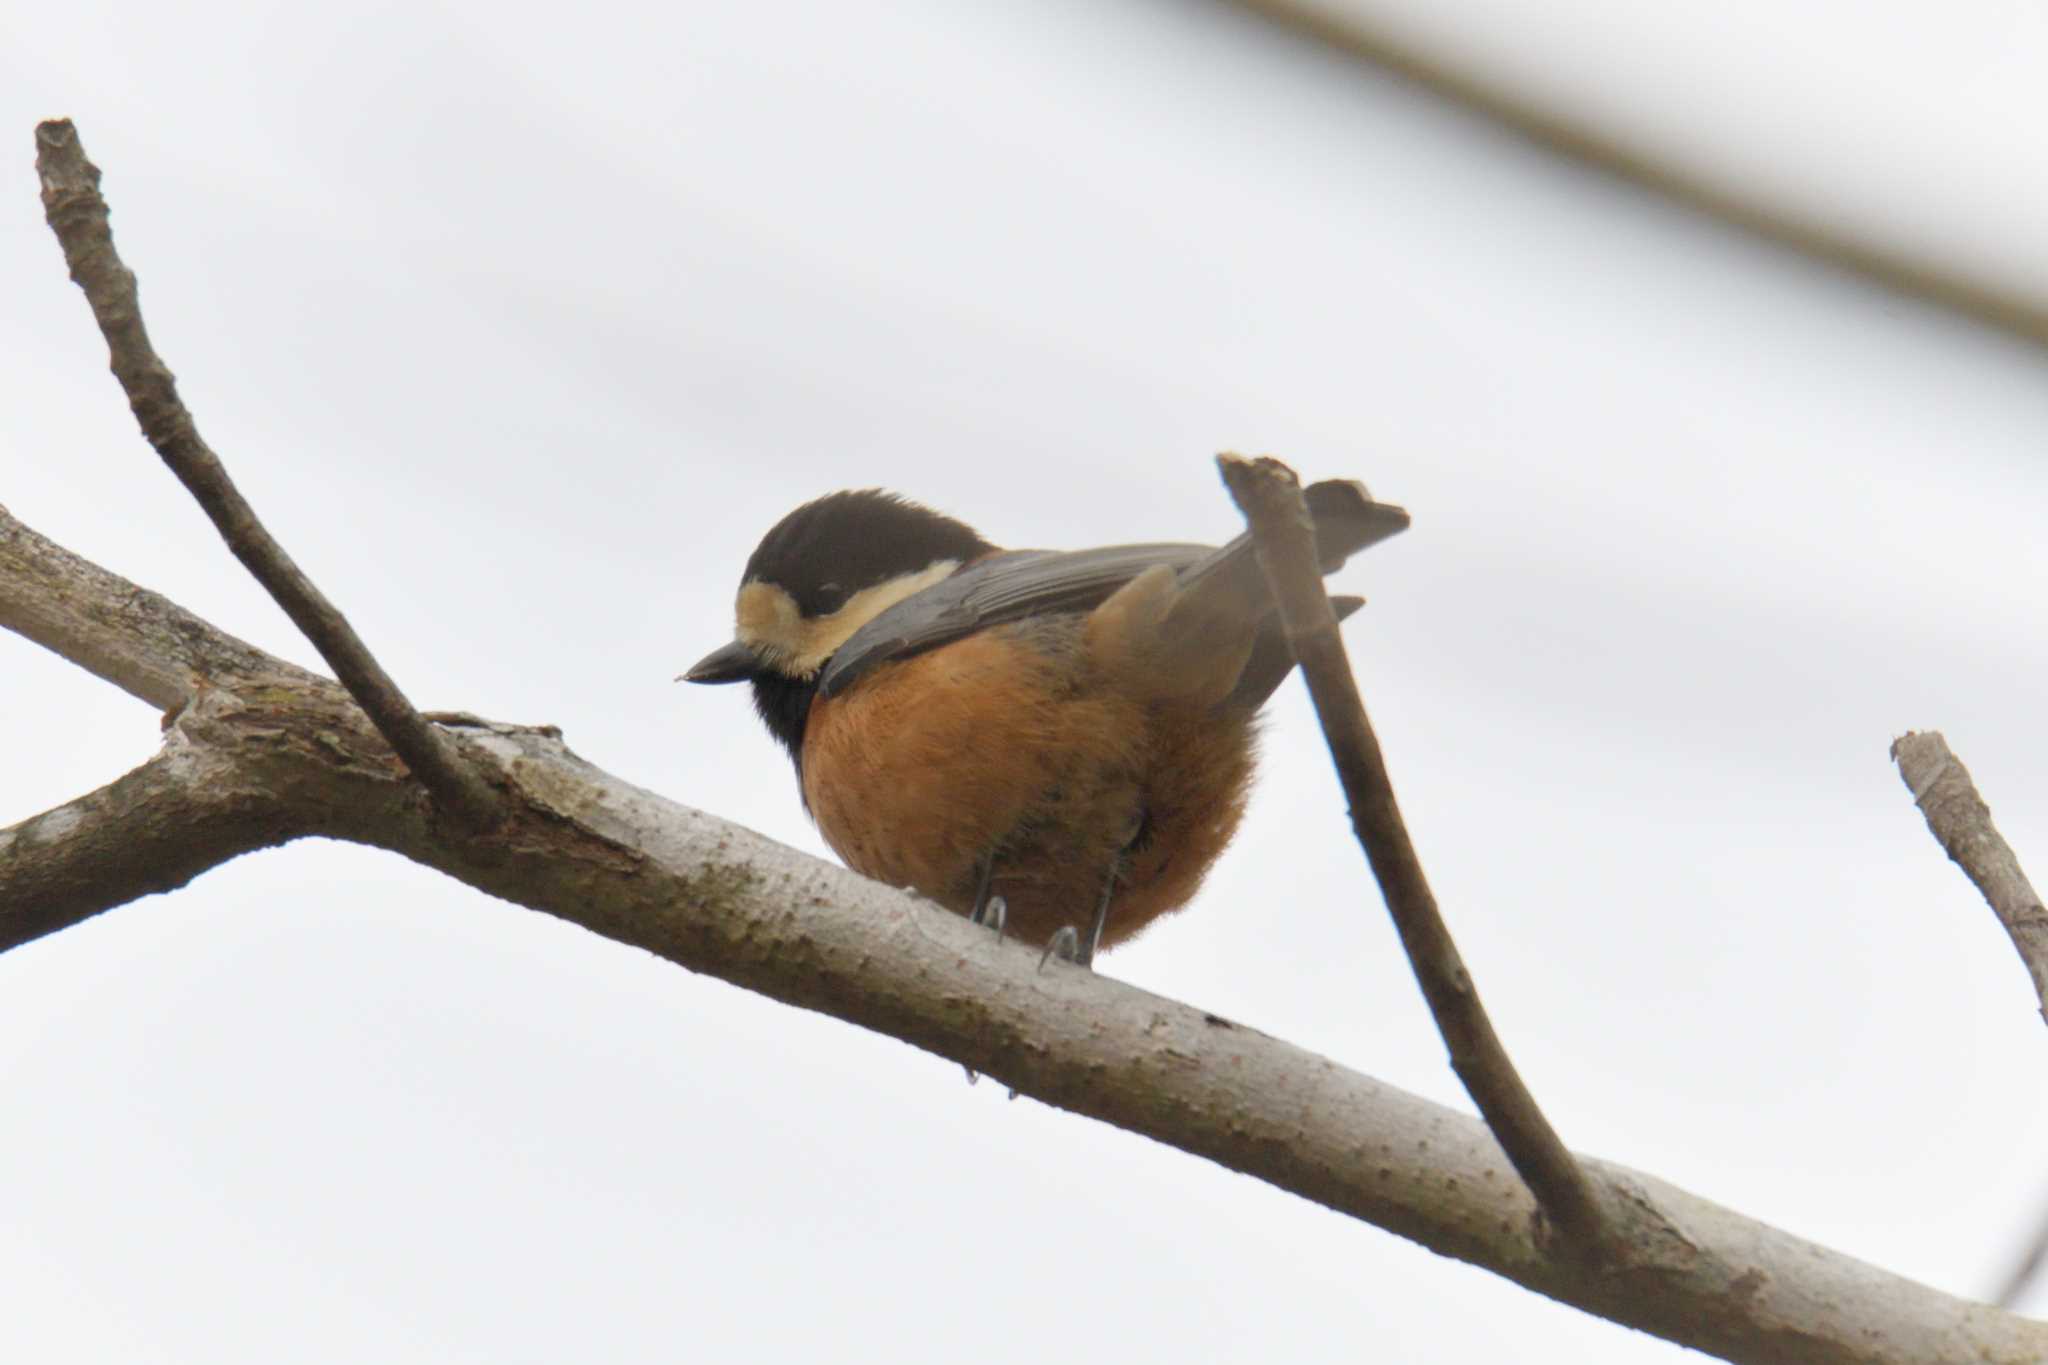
(728, 664)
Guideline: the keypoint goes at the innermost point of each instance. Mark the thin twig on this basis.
(1961, 823)
(1972, 293)
(77, 213)
(1960, 820)
(1269, 495)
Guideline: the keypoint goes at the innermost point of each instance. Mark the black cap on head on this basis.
(827, 550)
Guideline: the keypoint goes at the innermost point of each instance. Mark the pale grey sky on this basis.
(520, 324)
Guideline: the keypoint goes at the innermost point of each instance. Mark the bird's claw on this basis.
(1065, 945)
(995, 913)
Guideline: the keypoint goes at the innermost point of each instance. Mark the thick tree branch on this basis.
(78, 215)
(142, 643)
(279, 755)
(187, 810)
(1969, 293)
(722, 900)
(235, 721)
(1269, 495)
(1961, 822)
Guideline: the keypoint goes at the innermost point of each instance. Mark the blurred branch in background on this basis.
(1981, 298)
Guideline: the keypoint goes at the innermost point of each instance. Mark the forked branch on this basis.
(77, 213)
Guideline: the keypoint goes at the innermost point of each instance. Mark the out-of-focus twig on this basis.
(1894, 268)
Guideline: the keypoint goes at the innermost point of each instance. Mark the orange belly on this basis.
(1007, 745)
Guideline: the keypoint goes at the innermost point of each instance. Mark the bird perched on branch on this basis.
(1061, 742)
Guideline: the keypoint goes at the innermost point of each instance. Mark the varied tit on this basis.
(1062, 739)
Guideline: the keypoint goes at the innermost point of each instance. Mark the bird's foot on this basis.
(1066, 946)
(994, 912)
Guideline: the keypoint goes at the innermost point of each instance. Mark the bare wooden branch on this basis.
(152, 830)
(142, 643)
(278, 754)
(722, 900)
(1961, 822)
(77, 213)
(1971, 293)
(229, 779)
(1269, 495)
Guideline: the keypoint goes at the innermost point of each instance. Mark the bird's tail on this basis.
(1209, 633)
(1346, 518)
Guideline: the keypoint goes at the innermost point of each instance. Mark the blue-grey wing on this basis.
(1021, 583)
(1003, 587)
